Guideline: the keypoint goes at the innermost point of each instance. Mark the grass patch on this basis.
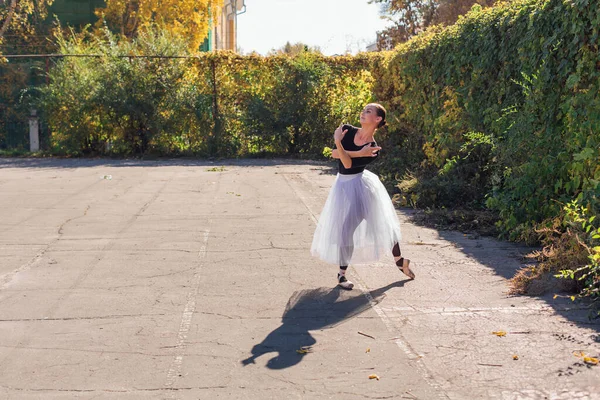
(25, 153)
(561, 250)
(14, 153)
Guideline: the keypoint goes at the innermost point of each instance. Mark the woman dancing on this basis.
(358, 223)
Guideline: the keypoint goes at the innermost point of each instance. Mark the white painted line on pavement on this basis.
(302, 199)
(472, 311)
(399, 340)
(188, 312)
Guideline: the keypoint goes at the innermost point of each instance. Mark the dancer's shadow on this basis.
(309, 310)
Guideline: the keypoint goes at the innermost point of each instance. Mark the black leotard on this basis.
(358, 163)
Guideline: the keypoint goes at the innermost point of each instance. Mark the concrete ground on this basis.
(193, 280)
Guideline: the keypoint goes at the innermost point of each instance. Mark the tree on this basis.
(7, 13)
(189, 19)
(295, 49)
(409, 17)
(22, 31)
(22, 18)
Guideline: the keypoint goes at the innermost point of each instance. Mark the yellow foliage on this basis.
(189, 19)
(17, 19)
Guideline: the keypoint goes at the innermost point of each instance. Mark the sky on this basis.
(336, 26)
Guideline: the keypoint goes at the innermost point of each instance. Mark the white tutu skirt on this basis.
(358, 223)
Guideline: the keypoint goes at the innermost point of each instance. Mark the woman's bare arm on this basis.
(343, 155)
(338, 135)
(364, 152)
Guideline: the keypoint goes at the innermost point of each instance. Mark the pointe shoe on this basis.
(403, 265)
(344, 283)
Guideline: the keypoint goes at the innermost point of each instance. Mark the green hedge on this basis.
(215, 104)
(506, 105)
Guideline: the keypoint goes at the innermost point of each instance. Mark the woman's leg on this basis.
(402, 263)
(351, 222)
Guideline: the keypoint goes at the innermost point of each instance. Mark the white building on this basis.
(223, 34)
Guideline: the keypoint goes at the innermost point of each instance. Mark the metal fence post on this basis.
(34, 132)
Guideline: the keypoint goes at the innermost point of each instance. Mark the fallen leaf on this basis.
(373, 376)
(590, 360)
(499, 333)
(304, 350)
(586, 359)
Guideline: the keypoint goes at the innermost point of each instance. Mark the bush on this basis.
(586, 242)
(115, 103)
(213, 104)
(526, 77)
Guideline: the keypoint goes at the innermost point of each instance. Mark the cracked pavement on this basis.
(178, 280)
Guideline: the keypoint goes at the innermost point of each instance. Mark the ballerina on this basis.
(358, 223)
